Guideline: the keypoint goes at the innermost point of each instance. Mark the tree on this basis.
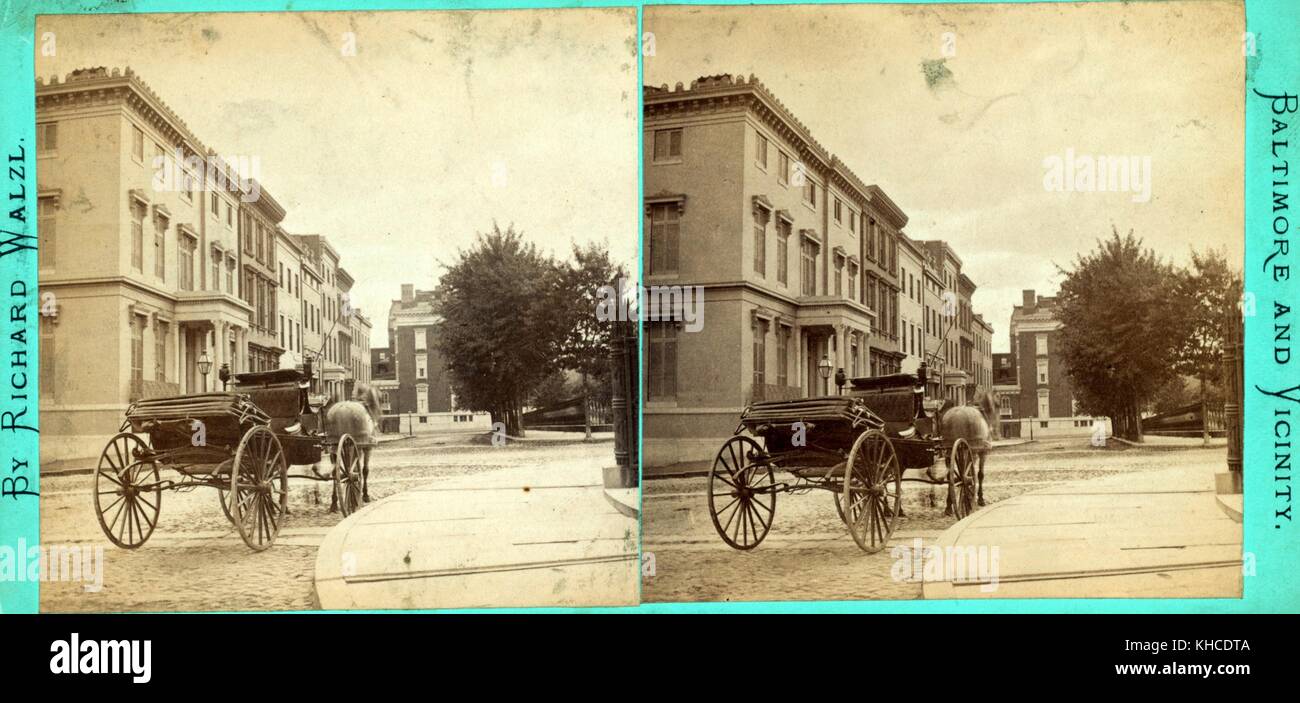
(585, 347)
(1206, 297)
(1115, 308)
(498, 336)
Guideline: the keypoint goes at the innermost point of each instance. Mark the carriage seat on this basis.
(279, 401)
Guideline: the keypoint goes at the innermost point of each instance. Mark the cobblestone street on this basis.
(196, 561)
(809, 555)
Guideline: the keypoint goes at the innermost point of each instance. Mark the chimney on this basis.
(1029, 299)
(408, 293)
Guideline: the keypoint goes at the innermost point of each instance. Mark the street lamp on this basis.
(840, 380)
(205, 365)
(824, 368)
(224, 375)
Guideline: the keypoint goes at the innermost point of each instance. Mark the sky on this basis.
(957, 112)
(437, 125)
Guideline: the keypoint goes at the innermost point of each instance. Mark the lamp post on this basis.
(224, 374)
(205, 365)
(840, 380)
(824, 368)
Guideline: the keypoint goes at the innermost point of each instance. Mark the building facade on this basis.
(289, 299)
(912, 305)
(414, 376)
(1045, 403)
(156, 257)
(141, 275)
(796, 256)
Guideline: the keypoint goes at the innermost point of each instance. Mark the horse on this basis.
(353, 417)
(969, 422)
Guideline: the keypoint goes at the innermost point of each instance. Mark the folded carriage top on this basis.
(839, 409)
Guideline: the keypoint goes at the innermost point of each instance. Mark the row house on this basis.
(257, 233)
(329, 316)
(912, 307)
(409, 373)
(796, 256)
(131, 255)
(1043, 403)
(290, 300)
(152, 246)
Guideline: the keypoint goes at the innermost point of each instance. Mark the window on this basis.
(47, 138)
(187, 186)
(853, 357)
(839, 211)
(215, 203)
(421, 365)
(664, 230)
(215, 283)
(137, 348)
(160, 247)
(1044, 404)
(137, 235)
(853, 281)
(839, 277)
(783, 251)
(160, 350)
(782, 355)
(1040, 344)
(49, 368)
(185, 247)
(760, 155)
(783, 168)
(760, 241)
(137, 144)
(760, 353)
(230, 275)
(853, 222)
(871, 240)
(1042, 371)
(422, 399)
(420, 340)
(810, 192)
(808, 269)
(668, 144)
(45, 222)
(661, 362)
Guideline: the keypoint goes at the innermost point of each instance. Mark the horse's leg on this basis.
(334, 490)
(365, 475)
(947, 508)
(983, 455)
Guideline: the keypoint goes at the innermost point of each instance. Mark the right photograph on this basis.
(943, 301)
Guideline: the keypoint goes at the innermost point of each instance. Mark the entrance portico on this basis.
(215, 323)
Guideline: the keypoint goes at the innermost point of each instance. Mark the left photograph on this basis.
(326, 314)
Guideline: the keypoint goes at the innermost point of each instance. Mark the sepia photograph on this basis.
(943, 301)
(318, 310)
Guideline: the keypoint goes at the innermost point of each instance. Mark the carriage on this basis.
(857, 446)
(241, 442)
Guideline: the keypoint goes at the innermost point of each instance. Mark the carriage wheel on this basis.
(259, 487)
(961, 479)
(742, 500)
(125, 503)
(873, 490)
(223, 493)
(347, 475)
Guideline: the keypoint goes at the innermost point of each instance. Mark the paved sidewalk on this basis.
(1155, 534)
(528, 535)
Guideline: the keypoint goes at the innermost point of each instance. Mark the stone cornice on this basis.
(100, 87)
(887, 207)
